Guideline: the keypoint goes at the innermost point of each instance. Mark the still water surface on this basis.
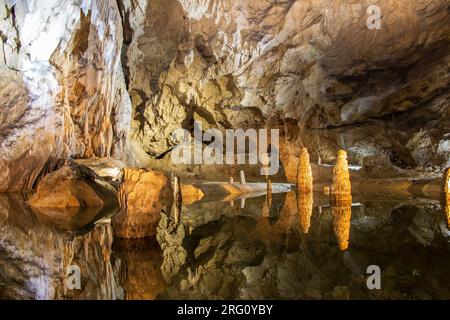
(287, 247)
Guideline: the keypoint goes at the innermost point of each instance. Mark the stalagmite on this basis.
(341, 189)
(305, 190)
(268, 203)
(231, 180)
(304, 173)
(446, 195)
(178, 199)
(269, 193)
(341, 200)
(242, 174)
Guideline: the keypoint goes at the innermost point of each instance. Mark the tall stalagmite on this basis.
(342, 188)
(341, 200)
(446, 195)
(304, 173)
(305, 190)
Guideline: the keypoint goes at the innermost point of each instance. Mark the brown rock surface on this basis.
(73, 186)
(142, 196)
(115, 78)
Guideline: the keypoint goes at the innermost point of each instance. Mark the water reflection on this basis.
(35, 256)
(342, 214)
(287, 246)
(305, 209)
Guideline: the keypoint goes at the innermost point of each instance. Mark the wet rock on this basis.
(143, 194)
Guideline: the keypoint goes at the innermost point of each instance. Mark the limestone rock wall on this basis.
(313, 64)
(63, 92)
(91, 78)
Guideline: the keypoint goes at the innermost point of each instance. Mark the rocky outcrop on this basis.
(63, 92)
(142, 196)
(73, 186)
(313, 64)
(116, 78)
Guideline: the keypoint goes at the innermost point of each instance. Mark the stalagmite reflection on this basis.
(305, 209)
(305, 191)
(341, 200)
(342, 213)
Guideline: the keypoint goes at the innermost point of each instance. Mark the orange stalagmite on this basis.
(305, 209)
(342, 188)
(446, 195)
(341, 200)
(342, 214)
(304, 173)
(305, 190)
(269, 193)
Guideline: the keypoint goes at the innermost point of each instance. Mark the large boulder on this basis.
(73, 186)
(143, 194)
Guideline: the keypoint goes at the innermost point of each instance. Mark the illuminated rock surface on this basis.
(103, 84)
(115, 78)
(142, 195)
(73, 186)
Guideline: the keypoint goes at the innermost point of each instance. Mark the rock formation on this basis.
(83, 79)
(446, 195)
(73, 186)
(341, 188)
(304, 173)
(142, 195)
